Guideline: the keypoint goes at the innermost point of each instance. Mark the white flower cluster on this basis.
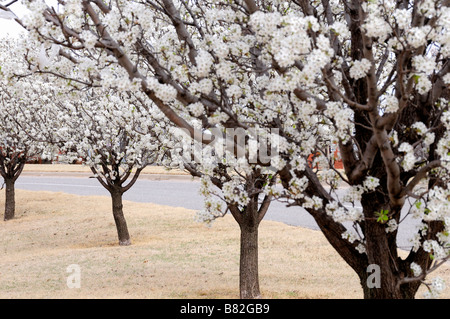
(435, 249)
(342, 214)
(213, 209)
(233, 192)
(353, 194)
(196, 109)
(403, 18)
(391, 226)
(427, 8)
(417, 36)
(204, 86)
(218, 117)
(424, 64)
(409, 159)
(390, 104)
(437, 204)
(90, 39)
(341, 116)
(415, 269)
(422, 130)
(371, 183)
(204, 62)
(375, 25)
(360, 68)
(297, 186)
(435, 289)
(340, 29)
(313, 202)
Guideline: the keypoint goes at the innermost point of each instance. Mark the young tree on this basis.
(112, 133)
(24, 107)
(233, 184)
(371, 77)
(13, 155)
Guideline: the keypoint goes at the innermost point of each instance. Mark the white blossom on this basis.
(360, 68)
(416, 269)
(371, 183)
(391, 226)
(435, 289)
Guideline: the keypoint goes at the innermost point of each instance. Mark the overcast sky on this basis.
(10, 27)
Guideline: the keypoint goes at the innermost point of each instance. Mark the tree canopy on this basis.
(368, 77)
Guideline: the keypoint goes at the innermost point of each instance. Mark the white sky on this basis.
(10, 27)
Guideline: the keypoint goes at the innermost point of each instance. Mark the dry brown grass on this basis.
(171, 256)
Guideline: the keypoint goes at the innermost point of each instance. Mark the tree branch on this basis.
(252, 7)
(422, 173)
(180, 27)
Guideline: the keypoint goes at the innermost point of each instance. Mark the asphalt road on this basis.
(178, 192)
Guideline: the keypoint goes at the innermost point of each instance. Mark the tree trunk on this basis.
(387, 290)
(10, 199)
(248, 268)
(119, 219)
(381, 256)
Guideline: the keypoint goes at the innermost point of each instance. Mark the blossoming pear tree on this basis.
(368, 77)
(376, 74)
(25, 106)
(231, 182)
(115, 135)
(251, 213)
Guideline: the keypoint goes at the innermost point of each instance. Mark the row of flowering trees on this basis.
(369, 76)
(105, 130)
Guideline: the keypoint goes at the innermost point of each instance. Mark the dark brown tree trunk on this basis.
(386, 290)
(248, 219)
(381, 280)
(384, 267)
(119, 219)
(10, 199)
(248, 268)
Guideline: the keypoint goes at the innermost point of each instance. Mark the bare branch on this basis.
(251, 6)
(421, 174)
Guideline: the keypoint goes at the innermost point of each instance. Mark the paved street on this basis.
(171, 192)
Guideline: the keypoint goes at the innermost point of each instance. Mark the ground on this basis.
(171, 255)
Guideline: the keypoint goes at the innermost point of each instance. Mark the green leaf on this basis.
(382, 216)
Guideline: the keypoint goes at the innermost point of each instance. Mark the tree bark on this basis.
(119, 219)
(248, 268)
(379, 255)
(10, 199)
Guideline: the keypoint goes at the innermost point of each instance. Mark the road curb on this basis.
(155, 177)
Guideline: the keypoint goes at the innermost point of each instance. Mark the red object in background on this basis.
(337, 160)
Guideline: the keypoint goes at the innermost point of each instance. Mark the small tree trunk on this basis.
(119, 219)
(10, 199)
(248, 268)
